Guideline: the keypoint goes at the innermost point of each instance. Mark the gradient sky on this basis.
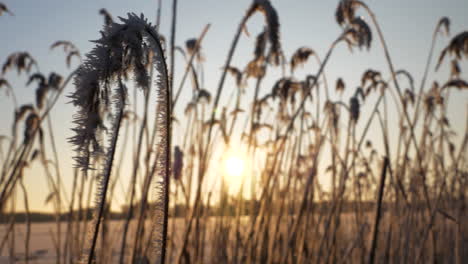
(407, 26)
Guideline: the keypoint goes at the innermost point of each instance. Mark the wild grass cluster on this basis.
(396, 195)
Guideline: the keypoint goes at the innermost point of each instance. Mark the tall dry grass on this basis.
(396, 197)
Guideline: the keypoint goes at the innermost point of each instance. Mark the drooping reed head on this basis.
(22, 61)
(273, 27)
(123, 49)
(52, 83)
(237, 74)
(261, 44)
(345, 11)
(300, 57)
(21, 112)
(458, 47)
(444, 24)
(69, 48)
(357, 31)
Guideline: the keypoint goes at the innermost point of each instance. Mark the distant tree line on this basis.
(227, 207)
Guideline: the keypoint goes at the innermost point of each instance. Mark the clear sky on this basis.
(407, 26)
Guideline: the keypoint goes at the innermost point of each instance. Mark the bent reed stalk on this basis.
(121, 49)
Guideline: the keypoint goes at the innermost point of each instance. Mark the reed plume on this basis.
(300, 57)
(273, 26)
(457, 47)
(122, 49)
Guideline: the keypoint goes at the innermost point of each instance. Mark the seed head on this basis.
(457, 47)
(22, 61)
(237, 74)
(300, 57)
(340, 86)
(178, 163)
(272, 21)
(354, 108)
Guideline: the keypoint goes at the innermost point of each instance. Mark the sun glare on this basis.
(234, 166)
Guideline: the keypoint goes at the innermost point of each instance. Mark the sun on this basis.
(235, 169)
(234, 166)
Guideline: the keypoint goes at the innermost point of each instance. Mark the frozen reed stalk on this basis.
(123, 49)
